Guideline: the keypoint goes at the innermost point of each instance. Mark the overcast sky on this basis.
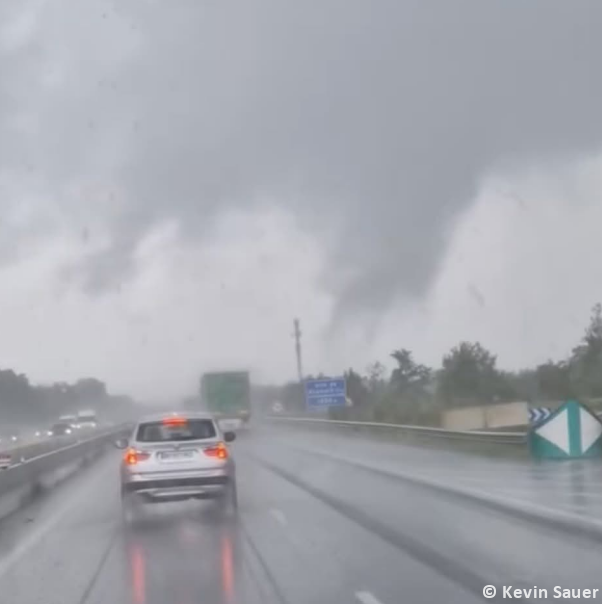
(179, 180)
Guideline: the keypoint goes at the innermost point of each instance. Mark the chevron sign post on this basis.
(569, 432)
(537, 414)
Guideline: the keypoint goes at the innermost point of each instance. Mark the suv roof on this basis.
(157, 417)
(176, 428)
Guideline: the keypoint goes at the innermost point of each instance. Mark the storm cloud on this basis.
(373, 121)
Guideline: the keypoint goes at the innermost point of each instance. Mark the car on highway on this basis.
(86, 420)
(5, 460)
(61, 429)
(10, 438)
(177, 457)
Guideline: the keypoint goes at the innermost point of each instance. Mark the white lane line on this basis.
(279, 516)
(365, 597)
(32, 540)
(40, 531)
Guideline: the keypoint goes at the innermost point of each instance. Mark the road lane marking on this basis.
(101, 565)
(32, 539)
(365, 597)
(41, 530)
(510, 504)
(279, 516)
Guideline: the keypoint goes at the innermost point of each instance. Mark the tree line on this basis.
(468, 375)
(24, 403)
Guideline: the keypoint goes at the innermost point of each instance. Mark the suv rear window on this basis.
(193, 429)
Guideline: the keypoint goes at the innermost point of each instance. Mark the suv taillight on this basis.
(220, 451)
(132, 457)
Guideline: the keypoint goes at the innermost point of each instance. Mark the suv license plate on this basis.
(176, 455)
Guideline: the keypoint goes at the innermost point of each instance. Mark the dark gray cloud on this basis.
(374, 121)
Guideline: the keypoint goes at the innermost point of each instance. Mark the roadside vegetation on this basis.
(22, 402)
(469, 375)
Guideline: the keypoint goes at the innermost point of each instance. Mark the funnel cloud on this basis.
(372, 123)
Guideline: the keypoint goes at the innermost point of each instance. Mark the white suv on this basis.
(176, 457)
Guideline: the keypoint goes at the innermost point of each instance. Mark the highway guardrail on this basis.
(22, 480)
(498, 438)
(573, 523)
(22, 451)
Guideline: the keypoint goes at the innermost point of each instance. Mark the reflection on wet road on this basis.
(198, 555)
(310, 529)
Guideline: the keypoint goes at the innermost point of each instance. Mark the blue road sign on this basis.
(326, 393)
(538, 414)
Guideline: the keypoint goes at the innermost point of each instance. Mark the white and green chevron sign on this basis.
(569, 432)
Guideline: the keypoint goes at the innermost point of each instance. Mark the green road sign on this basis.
(571, 431)
(226, 392)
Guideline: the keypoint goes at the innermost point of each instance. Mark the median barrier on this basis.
(46, 468)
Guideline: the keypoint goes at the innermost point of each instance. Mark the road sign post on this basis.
(324, 394)
(570, 432)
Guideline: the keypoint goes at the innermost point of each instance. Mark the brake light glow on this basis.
(175, 421)
(220, 451)
(132, 457)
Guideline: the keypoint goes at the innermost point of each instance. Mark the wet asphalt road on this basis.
(311, 529)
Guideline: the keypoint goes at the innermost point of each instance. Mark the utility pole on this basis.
(297, 336)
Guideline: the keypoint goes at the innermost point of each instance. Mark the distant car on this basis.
(87, 420)
(9, 438)
(61, 429)
(5, 461)
(174, 458)
(87, 425)
(68, 419)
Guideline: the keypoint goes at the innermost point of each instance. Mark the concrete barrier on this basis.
(24, 480)
(507, 414)
(486, 417)
(465, 418)
(24, 451)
